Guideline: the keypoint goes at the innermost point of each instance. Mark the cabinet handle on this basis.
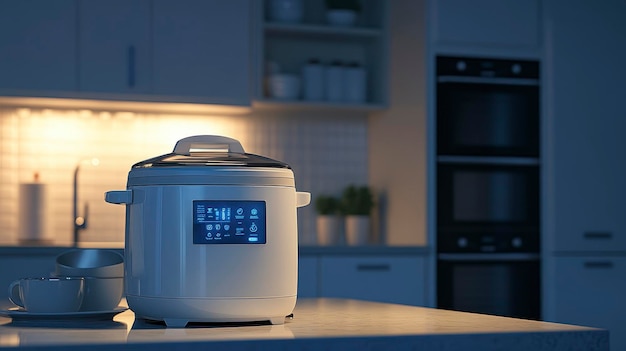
(373, 267)
(131, 66)
(598, 264)
(598, 235)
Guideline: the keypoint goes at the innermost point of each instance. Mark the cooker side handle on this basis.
(119, 197)
(302, 198)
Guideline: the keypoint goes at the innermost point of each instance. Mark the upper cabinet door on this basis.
(586, 119)
(114, 46)
(37, 45)
(488, 23)
(202, 50)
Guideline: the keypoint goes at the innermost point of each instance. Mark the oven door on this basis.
(487, 116)
(487, 207)
(498, 284)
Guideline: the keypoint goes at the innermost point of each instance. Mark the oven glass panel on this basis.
(488, 119)
(229, 222)
(497, 196)
(504, 288)
(488, 194)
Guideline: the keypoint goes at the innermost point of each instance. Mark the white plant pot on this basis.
(329, 230)
(357, 230)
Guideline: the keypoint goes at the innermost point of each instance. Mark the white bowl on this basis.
(284, 86)
(341, 18)
(90, 263)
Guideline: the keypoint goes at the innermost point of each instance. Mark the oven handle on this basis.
(488, 256)
(488, 80)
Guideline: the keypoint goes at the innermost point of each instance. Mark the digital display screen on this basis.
(228, 222)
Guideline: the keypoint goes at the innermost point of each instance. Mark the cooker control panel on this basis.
(228, 222)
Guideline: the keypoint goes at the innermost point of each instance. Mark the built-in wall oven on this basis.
(488, 203)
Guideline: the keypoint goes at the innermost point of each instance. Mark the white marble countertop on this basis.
(328, 324)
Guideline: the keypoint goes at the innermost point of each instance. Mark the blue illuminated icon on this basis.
(240, 211)
(254, 212)
(253, 239)
(253, 228)
(209, 227)
(226, 226)
(218, 227)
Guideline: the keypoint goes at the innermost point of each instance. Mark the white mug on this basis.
(48, 295)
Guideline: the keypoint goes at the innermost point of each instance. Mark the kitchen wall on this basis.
(326, 151)
(398, 138)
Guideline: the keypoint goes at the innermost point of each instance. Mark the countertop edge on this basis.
(304, 251)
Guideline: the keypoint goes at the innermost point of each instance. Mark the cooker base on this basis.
(177, 312)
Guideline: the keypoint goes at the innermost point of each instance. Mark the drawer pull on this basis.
(131, 66)
(373, 267)
(598, 264)
(598, 235)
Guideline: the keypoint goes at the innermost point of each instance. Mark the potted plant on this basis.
(357, 204)
(342, 12)
(328, 220)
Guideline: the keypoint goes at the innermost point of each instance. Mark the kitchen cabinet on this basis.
(202, 50)
(307, 276)
(586, 147)
(38, 47)
(114, 46)
(189, 51)
(486, 23)
(375, 277)
(590, 291)
(287, 47)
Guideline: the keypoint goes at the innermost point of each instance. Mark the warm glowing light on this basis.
(23, 112)
(158, 107)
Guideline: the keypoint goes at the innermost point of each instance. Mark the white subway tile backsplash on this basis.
(326, 153)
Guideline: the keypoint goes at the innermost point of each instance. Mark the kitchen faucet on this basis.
(79, 222)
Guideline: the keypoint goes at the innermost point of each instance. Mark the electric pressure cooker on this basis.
(211, 235)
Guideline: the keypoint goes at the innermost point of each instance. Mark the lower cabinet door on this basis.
(307, 276)
(591, 291)
(397, 279)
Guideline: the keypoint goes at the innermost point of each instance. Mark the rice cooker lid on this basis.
(204, 159)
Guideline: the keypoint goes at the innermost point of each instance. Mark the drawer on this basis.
(397, 279)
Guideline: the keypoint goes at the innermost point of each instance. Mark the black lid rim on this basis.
(216, 160)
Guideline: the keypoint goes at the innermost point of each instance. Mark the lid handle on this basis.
(207, 143)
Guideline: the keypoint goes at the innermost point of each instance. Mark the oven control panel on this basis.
(498, 242)
(229, 222)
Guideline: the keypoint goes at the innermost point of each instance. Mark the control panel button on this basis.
(462, 242)
(461, 66)
(516, 68)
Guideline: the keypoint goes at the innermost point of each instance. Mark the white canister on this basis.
(313, 80)
(335, 81)
(355, 83)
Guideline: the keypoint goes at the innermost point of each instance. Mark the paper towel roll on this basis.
(32, 216)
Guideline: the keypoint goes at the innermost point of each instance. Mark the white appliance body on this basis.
(178, 271)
